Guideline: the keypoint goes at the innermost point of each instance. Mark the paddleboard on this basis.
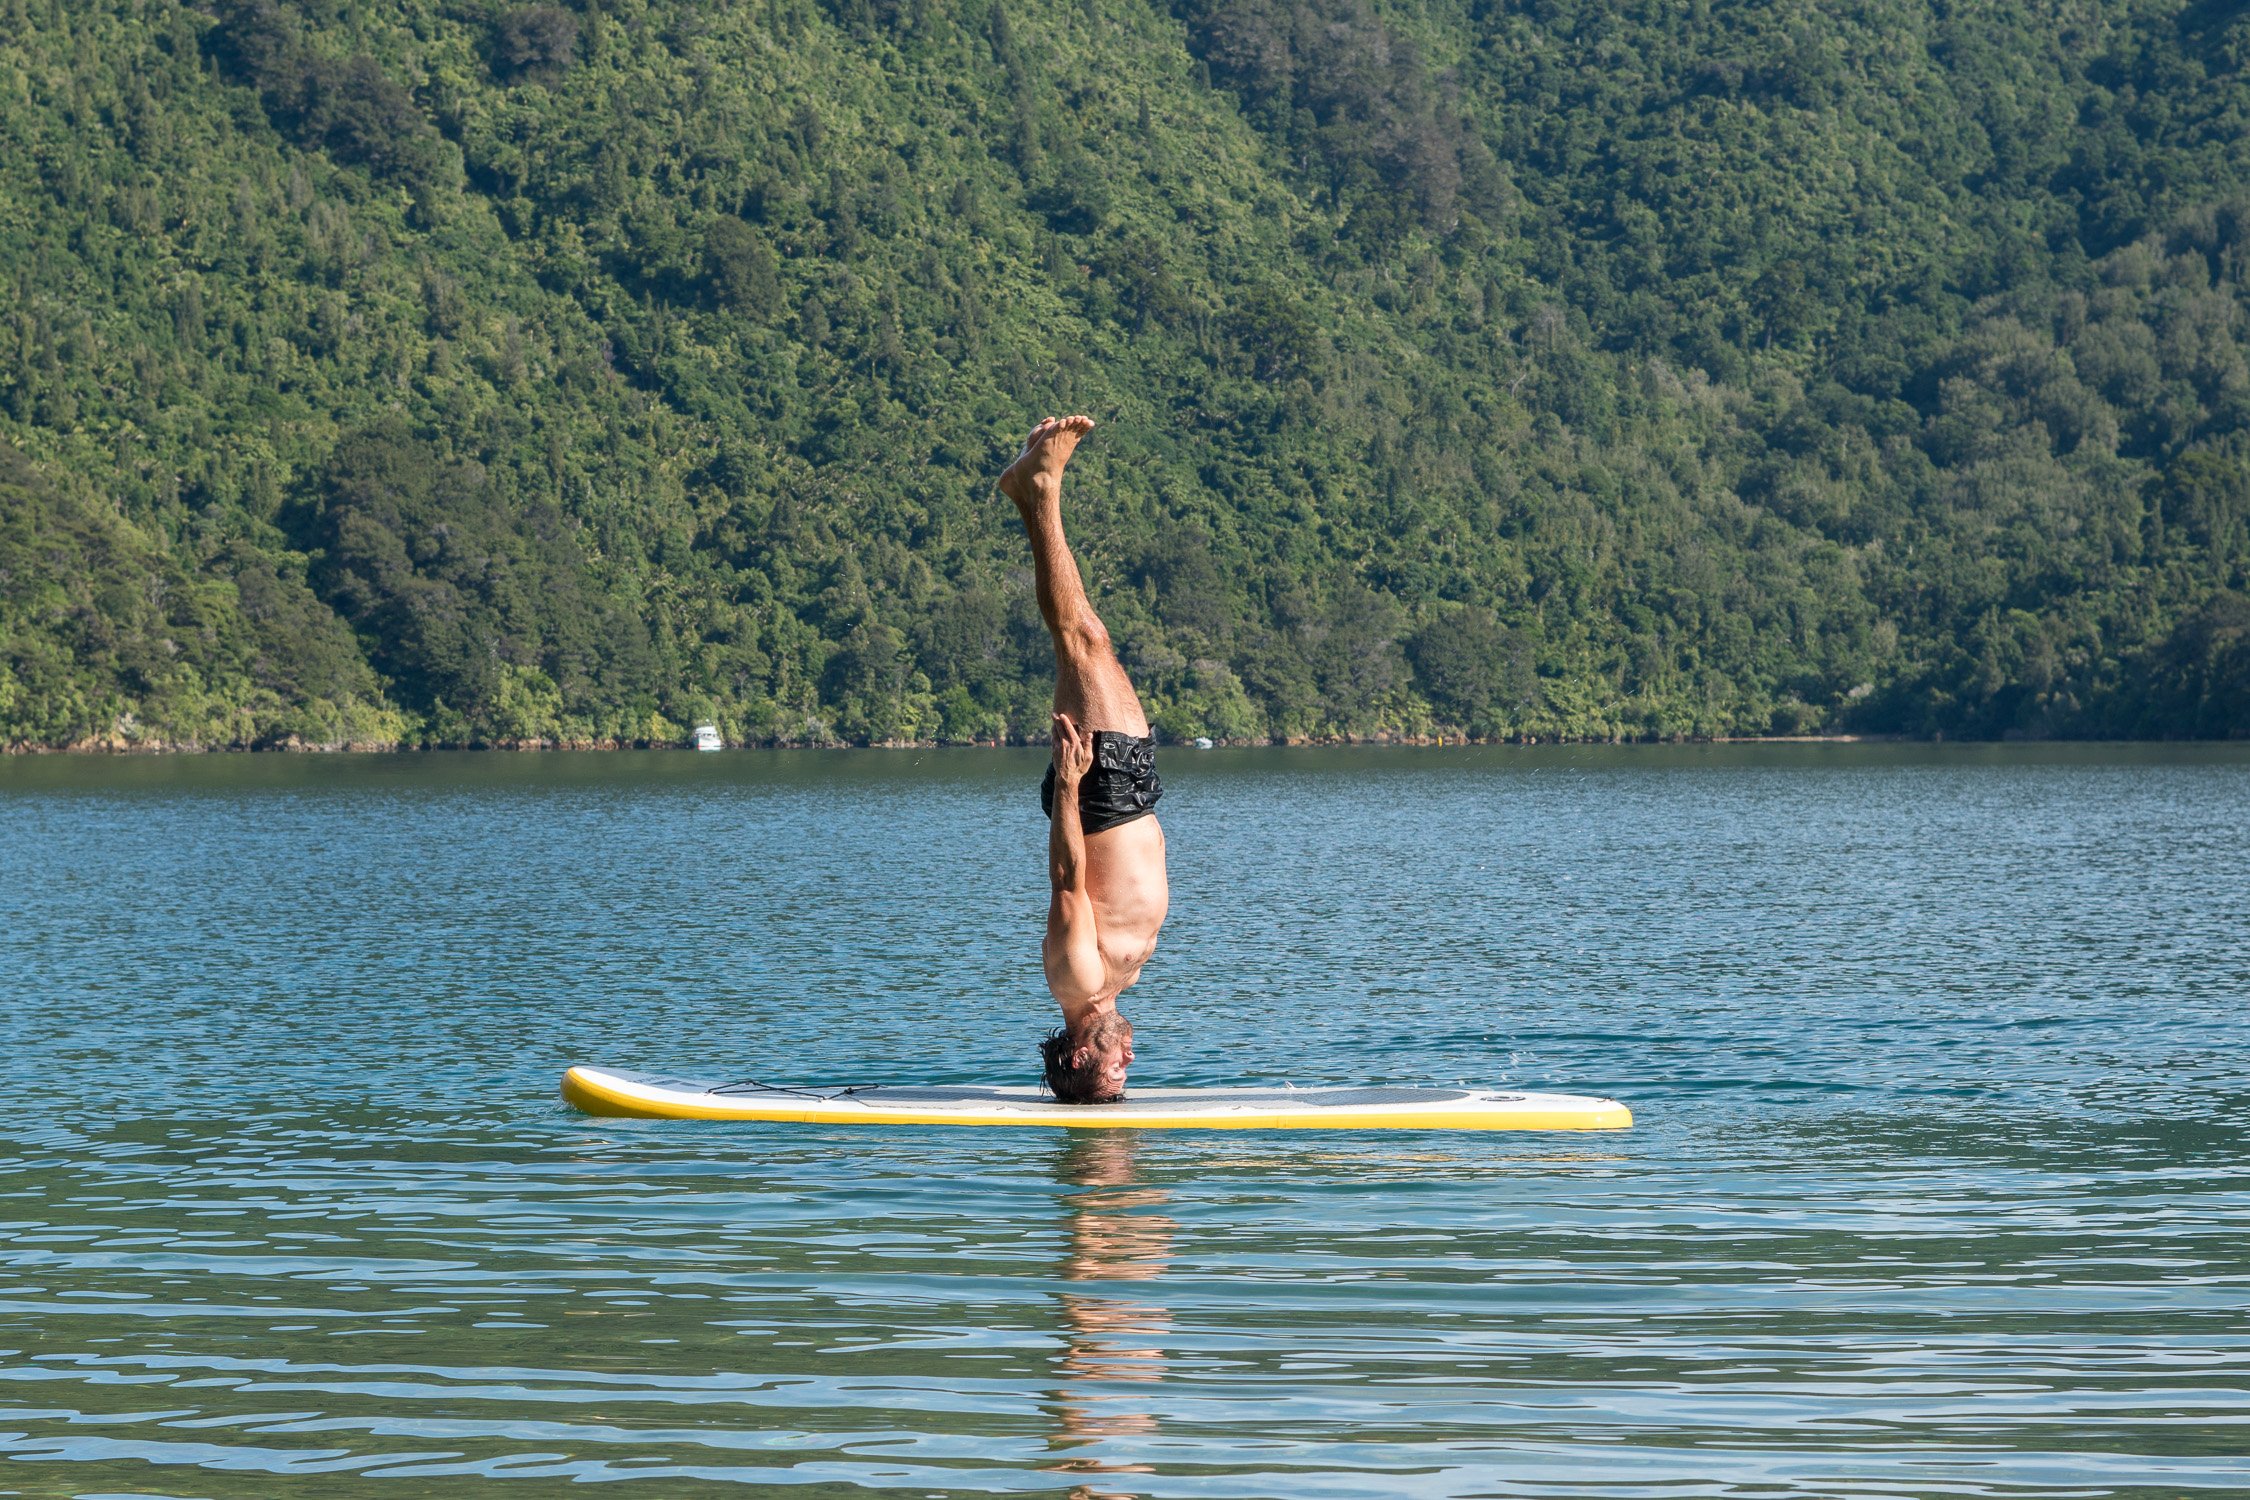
(607, 1091)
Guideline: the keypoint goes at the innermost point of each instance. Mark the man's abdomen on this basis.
(1125, 880)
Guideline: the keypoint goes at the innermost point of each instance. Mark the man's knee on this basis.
(1087, 637)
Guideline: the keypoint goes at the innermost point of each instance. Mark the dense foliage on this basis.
(466, 371)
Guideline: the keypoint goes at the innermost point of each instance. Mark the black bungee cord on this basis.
(752, 1085)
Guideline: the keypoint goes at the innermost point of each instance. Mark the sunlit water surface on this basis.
(1938, 1186)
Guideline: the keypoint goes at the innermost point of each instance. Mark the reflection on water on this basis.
(1939, 1186)
(1114, 1342)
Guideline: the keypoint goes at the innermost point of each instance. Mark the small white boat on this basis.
(1202, 742)
(707, 737)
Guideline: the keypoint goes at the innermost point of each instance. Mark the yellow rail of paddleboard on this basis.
(597, 1095)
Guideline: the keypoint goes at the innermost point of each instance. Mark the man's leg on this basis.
(1090, 685)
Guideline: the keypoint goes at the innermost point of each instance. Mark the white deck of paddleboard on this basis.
(610, 1091)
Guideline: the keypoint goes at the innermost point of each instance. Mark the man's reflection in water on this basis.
(1113, 1342)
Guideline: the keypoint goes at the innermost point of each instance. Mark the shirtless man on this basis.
(1105, 850)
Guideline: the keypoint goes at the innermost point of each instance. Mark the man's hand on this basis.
(1074, 753)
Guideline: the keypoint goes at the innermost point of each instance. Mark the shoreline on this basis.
(115, 747)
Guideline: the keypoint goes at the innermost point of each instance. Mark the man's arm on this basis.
(1075, 971)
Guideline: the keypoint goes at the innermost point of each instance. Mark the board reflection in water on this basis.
(1113, 1341)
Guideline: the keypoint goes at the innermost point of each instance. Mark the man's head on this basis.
(1087, 1066)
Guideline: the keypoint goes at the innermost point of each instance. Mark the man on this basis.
(1105, 849)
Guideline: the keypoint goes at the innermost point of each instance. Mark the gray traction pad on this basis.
(1135, 1101)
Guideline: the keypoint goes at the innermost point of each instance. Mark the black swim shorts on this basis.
(1118, 787)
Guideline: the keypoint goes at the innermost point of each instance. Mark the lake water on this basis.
(1938, 1187)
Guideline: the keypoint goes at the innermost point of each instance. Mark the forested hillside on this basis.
(464, 371)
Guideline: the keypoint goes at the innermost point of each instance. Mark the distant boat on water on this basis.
(707, 737)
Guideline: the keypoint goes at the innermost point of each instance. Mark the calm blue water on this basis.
(1939, 1185)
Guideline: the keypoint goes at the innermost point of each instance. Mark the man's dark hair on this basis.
(1070, 1085)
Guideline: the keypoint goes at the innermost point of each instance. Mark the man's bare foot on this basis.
(1037, 471)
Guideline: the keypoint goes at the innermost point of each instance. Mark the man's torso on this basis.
(1125, 882)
